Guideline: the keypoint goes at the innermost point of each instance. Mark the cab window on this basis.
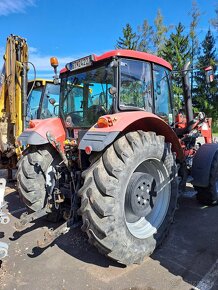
(135, 85)
(162, 95)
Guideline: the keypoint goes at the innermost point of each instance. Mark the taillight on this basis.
(105, 121)
(32, 124)
(88, 150)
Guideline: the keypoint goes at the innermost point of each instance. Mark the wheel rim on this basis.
(147, 198)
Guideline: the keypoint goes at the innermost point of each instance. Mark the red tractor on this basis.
(116, 154)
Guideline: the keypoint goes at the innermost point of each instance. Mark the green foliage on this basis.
(177, 52)
(129, 39)
(152, 39)
(146, 33)
(205, 96)
(159, 36)
(215, 128)
(178, 48)
(195, 16)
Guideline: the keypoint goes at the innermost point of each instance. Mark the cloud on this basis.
(33, 49)
(42, 62)
(14, 6)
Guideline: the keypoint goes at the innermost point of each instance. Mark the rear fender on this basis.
(202, 164)
(99, 138)
(37, 134)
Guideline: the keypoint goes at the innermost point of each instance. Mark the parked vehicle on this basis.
(116, 154)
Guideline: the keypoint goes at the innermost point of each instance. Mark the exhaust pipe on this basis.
(187, 95)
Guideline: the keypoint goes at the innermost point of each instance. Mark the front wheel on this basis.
(129, 197)
(36, 175)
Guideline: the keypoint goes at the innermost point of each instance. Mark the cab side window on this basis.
(162, 93)
(135, 85)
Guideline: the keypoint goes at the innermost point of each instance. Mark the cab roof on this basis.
(129, 54)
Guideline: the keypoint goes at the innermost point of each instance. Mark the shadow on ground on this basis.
(189, 251)
(191, 248)
(75, 242)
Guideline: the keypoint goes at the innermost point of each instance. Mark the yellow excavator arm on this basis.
(15, 109)
(13, 94)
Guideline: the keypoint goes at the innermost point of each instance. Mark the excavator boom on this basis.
(12, 97)
(16, 109)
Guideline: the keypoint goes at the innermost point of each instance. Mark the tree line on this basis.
(179, 44)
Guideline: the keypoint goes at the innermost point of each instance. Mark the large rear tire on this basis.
(209, 195)
(35, 175)
(129, 197)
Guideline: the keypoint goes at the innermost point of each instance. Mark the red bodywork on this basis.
(206, 130)
(205, 127)
(139, 120)
(181, 121)
(130, 54)
(55, 127)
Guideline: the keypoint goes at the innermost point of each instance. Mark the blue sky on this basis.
(71, 29)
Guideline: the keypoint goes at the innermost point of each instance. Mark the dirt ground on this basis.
(187, 260)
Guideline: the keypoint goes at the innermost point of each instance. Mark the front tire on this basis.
(129, 197)
(35, 175)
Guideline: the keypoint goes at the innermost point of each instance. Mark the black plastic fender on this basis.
(31, 138)
(202, 164)
(97, 140)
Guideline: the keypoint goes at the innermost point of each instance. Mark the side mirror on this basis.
(209, 74)
(112, 90)
(52, 101)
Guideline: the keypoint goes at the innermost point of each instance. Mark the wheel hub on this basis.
(140, 196)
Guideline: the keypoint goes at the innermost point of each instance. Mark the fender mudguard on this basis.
(36, 135)
(202, 164)
(124, 122)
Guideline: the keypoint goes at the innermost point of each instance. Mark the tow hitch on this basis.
(26, 218)
(50, 235)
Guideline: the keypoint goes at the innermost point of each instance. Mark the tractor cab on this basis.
(39, 104)
(115, 82)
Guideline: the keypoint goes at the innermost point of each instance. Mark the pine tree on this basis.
(129, 39)
(195, 15)
(206, 95)
(177, 52)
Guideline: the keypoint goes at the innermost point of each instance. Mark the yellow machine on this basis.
(13, 96)
(20, 100)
